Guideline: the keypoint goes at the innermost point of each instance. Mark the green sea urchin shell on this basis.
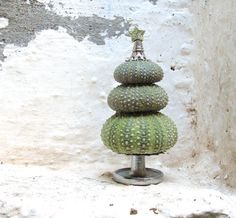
(137, 98)
(138, 72)
(139, 133)
(138, 128)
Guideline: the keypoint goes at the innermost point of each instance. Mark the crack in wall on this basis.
(26, 19)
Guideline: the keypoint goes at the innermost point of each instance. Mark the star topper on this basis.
(136, 34)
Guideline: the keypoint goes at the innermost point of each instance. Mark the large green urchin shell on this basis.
(134, 134)
(137, 98)
(138, 72)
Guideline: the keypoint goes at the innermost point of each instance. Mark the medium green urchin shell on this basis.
(137, 98)
(139, 133)
(138, 72)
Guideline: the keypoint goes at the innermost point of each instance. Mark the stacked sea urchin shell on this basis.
(138, 128)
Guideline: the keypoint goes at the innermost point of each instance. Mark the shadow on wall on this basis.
(215, 79)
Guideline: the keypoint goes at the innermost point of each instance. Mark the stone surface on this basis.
(83, 189)
(215, 80)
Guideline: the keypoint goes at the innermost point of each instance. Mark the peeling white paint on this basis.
(3, 22)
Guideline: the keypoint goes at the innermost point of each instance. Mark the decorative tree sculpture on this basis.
(137, 128)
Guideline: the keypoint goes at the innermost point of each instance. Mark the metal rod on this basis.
(138, 166)
(138, 51)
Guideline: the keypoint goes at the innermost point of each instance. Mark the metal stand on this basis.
(138, 174)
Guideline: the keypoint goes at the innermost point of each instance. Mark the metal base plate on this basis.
(124, 176)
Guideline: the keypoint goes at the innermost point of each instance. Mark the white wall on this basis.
(53, 91)
(215, 79)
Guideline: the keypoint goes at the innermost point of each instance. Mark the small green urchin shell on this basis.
(138, 72)
(139, 133)
(137, 98)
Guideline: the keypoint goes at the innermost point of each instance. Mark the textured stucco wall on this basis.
(58, 59)
(215, 84)
(56, 69)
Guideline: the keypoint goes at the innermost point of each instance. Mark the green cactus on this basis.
(138, 128)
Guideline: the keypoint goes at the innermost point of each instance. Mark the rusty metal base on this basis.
(124, 176)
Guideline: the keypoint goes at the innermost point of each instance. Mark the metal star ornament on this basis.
(136, 34)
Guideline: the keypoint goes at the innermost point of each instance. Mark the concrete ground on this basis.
(77, 189)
